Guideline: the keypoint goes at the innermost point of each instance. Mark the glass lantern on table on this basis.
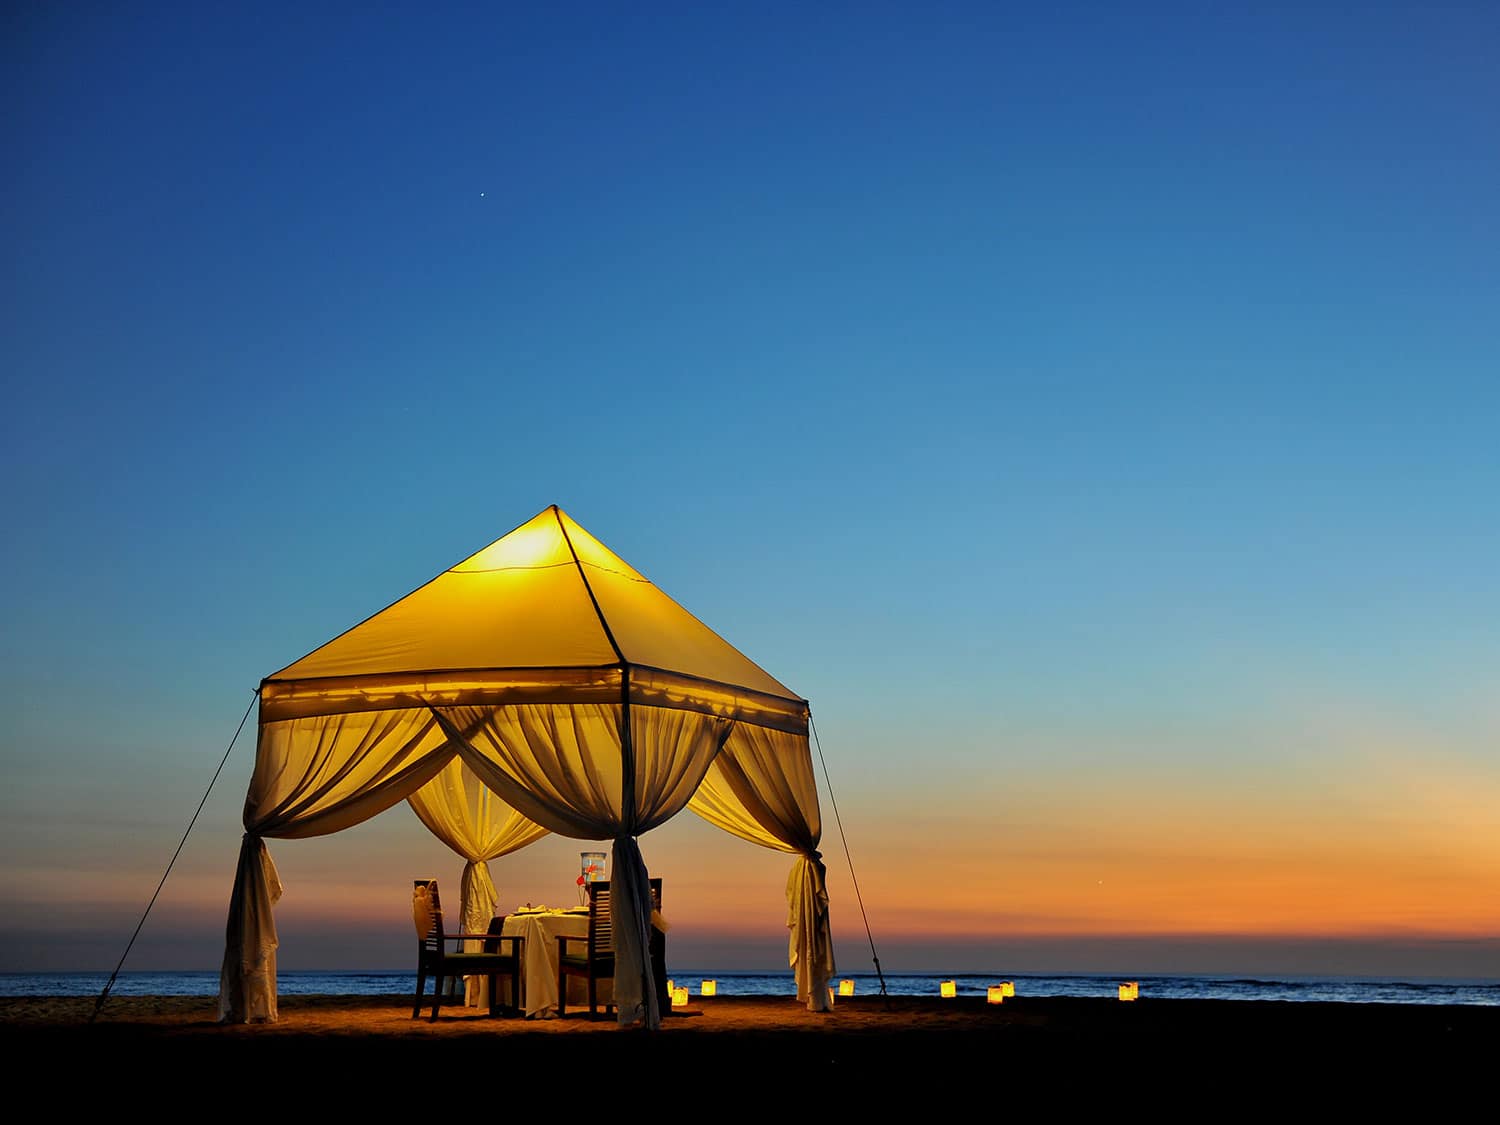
(591, 866)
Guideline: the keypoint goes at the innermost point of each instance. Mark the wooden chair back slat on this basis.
(601, 927)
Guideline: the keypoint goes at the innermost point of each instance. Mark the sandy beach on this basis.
(866, 1043)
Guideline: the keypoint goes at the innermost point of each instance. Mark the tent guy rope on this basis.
(845, 841)
(103, 996)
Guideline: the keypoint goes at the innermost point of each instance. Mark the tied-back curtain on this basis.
(761, 788)
(313, 776)
(563, 767)
(630, 921)
(474, 822)
(247, 982)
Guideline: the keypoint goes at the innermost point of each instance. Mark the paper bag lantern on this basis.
(709, 988)
(1008, 987)
(947, 990)
(1130, 990)
(846, 988)
(996, 994)
(679, 997)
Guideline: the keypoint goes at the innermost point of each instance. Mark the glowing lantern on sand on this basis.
(1130, 990)
(709, 988)
(846, 988)
(948, 990)
(996, 994)
(679, 997)
(1008, 987)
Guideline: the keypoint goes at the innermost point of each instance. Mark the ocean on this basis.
(1351, 990)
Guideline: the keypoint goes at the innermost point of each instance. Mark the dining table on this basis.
(539, 927)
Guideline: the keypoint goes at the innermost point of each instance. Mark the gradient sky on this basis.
(1092, 409)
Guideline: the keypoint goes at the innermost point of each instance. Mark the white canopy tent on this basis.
(541, 685)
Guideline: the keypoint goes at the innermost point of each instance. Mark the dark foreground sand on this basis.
(365, 1053)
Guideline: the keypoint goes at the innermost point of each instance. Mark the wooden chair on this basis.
(434, 958)
(596, 961)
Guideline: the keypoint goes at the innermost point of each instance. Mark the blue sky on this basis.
(1109, 389)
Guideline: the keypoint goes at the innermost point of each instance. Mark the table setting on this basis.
(539, 927)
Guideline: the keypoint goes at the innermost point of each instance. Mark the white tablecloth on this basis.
(539, 932)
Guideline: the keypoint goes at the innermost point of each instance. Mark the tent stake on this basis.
(103, 996)
(857, 897)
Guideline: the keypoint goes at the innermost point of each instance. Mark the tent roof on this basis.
(547, 596)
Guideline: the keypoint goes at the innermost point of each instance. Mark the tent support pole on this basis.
(845, 841)
(103, 996)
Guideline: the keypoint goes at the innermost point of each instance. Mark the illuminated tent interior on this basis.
(541, 685)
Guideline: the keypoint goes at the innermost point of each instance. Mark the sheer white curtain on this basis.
(473, 821)
(761, 788)
(568, 768)
(313, 776)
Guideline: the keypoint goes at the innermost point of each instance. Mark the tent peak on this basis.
(547, 595)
